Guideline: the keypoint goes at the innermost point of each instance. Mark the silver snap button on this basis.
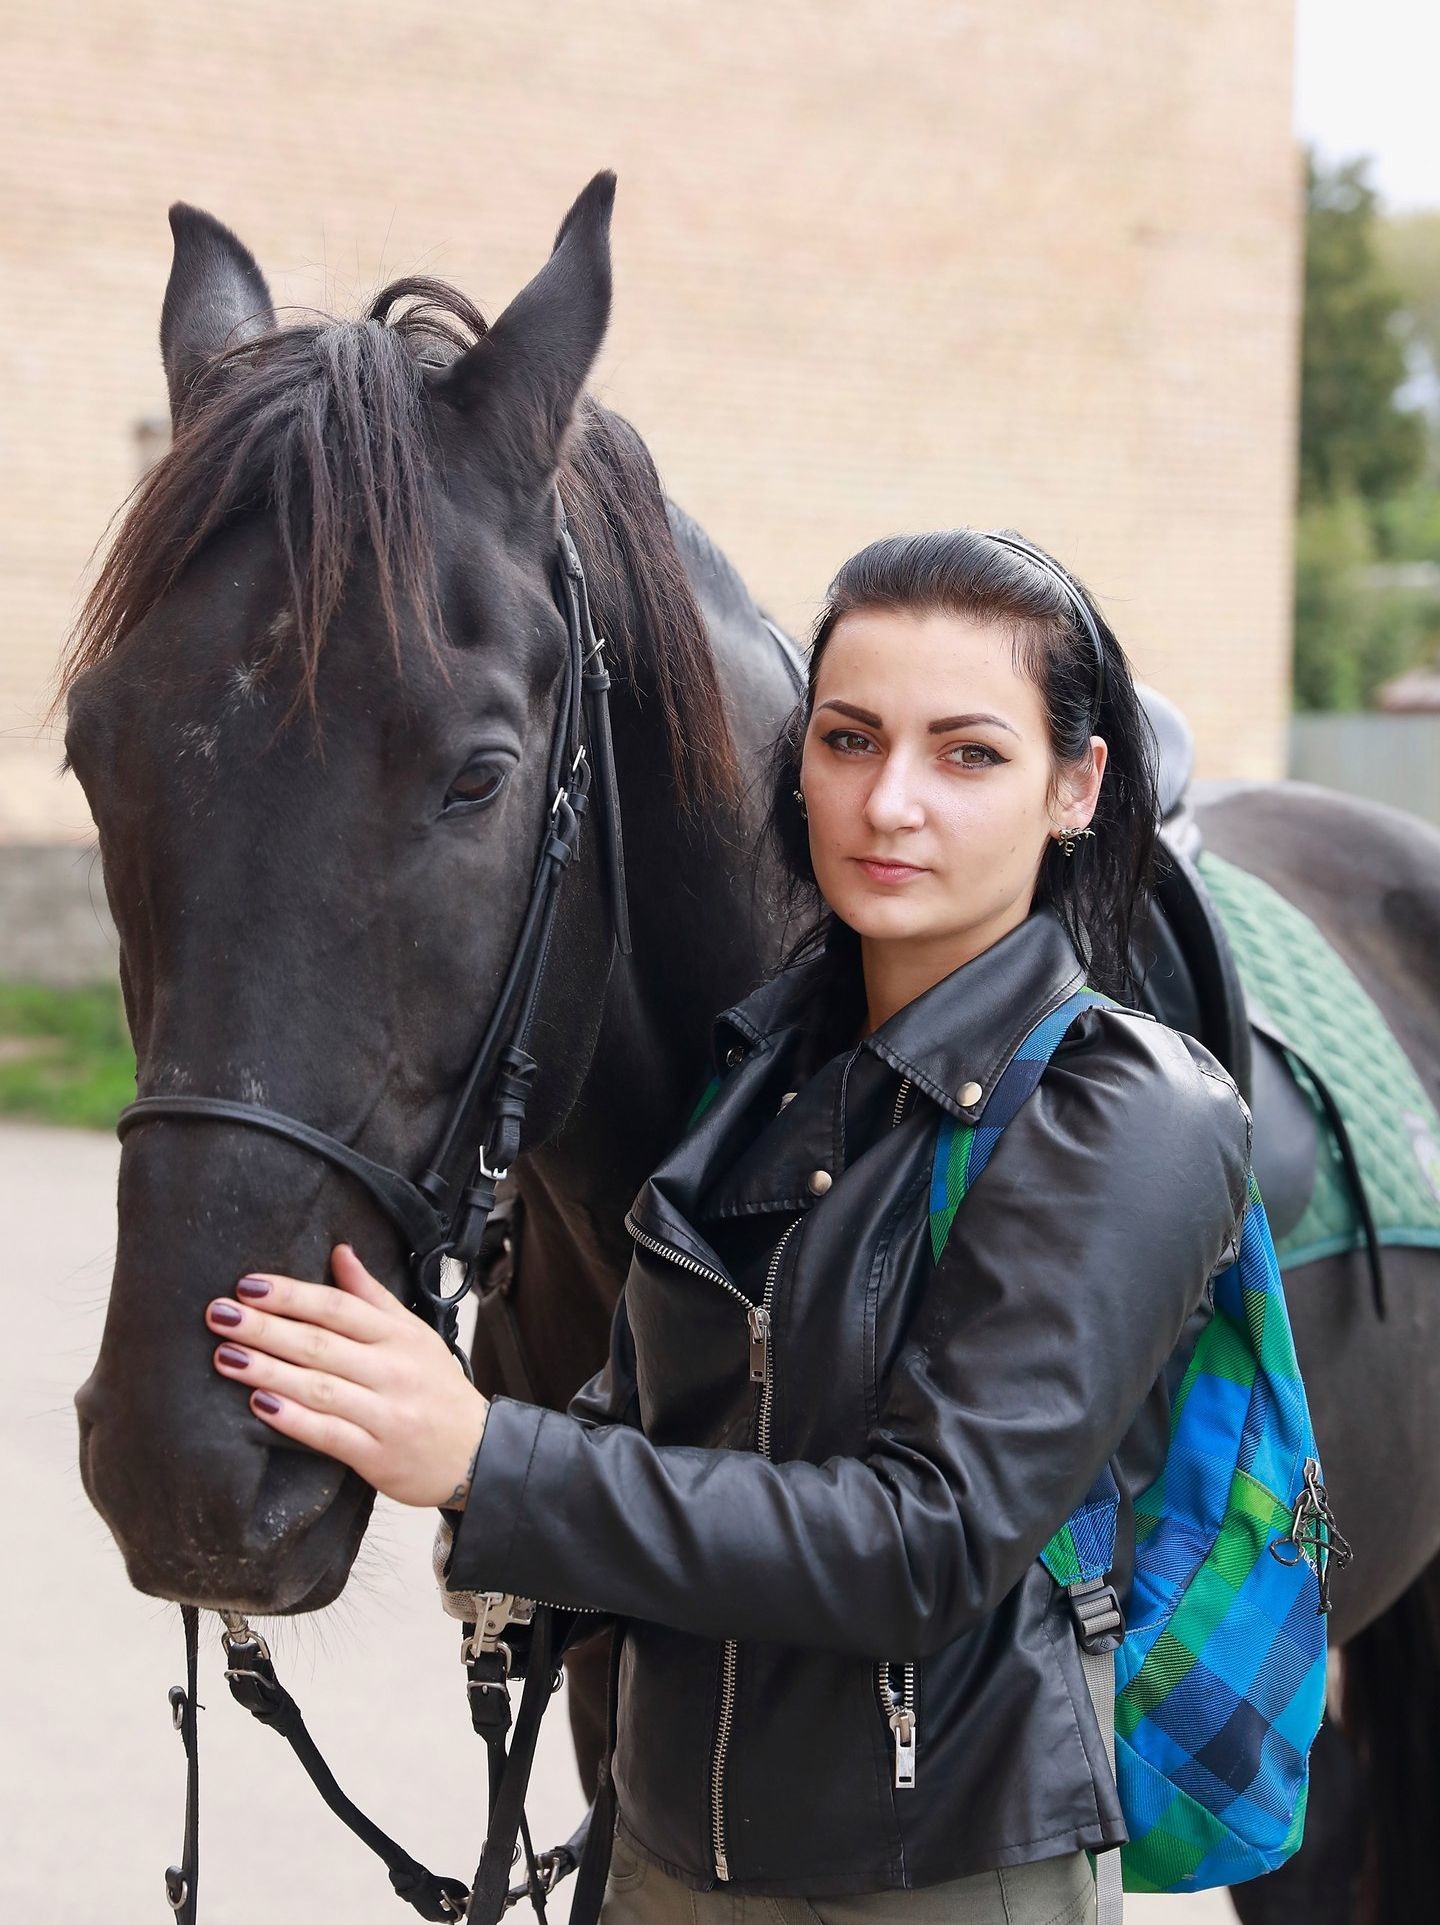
(970, 1093)
(734, 1056)
(819, 1182)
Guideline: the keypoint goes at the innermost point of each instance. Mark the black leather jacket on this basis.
(799, 1558)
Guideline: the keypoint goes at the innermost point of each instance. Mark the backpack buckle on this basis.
(1099, 1621)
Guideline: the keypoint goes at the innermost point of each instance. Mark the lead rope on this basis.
(254, 1685)
(182, 1879)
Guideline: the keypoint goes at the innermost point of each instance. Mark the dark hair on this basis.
(1101, 892)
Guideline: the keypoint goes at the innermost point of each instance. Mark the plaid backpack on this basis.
(1211, 1696)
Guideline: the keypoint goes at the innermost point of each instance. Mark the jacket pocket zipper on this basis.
(900, 1712)
(900, 1716)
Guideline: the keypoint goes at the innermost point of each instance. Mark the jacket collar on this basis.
(962, 1031)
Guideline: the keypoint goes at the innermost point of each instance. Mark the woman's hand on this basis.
(353, 1373)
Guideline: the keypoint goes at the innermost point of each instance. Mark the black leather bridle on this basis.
(441, 1218)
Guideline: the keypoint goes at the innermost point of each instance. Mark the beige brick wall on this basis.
(880, 264)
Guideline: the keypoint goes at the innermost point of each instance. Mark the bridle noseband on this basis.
(441, 1217)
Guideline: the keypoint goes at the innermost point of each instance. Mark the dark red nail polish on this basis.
(227, 1313)
(252, 1287)
(231, 1353)
(262, 1400)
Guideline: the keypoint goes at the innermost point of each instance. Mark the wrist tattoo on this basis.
(456, 1500)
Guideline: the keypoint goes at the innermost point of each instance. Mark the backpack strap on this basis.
(964, 1149)
(1082, 1553)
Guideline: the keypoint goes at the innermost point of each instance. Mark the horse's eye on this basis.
(474, 787)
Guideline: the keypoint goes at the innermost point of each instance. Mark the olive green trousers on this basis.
(1052, 1891)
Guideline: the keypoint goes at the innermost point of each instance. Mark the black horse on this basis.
(355, 526)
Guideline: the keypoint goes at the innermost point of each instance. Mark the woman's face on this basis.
(927, 749)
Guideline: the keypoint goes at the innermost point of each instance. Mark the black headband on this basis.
(1077, 600)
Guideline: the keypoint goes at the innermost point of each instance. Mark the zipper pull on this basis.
(902, 1723)
(759, 1321)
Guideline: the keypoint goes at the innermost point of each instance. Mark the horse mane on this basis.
(327, 426)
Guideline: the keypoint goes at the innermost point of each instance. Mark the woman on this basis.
(815, 1474)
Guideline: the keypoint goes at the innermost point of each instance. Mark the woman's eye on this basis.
(474, 787)
(836, 736)
(989, 755)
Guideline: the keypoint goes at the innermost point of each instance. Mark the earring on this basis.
(800, 798)
(1067, 838)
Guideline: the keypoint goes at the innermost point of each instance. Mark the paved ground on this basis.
(91, 1774)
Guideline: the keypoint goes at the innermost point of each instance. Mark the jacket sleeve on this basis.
(1069, 1274)
(609, 1397)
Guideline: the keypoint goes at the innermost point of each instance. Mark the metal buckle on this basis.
(485, 1169)
(239, 1635)
(177, 1887)
(499, 1608)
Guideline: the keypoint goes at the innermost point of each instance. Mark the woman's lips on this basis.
(889, 871)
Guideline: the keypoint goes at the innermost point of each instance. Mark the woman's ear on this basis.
(1080, 787)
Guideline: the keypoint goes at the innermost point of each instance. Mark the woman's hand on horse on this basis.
(353, 1373)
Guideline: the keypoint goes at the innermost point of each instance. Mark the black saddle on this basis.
(1191, 982)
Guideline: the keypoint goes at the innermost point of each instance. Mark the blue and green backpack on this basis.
(1210, 1697)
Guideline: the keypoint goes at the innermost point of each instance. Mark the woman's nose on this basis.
(894, 799)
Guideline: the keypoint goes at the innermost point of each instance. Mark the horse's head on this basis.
(310, 703)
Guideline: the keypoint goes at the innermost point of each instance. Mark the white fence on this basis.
(1386, 758)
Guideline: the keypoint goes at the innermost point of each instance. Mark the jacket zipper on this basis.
(899, 1712)
(757, 1317)
(760, 1373)
(900, 1716)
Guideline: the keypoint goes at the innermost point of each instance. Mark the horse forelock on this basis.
(326, 424)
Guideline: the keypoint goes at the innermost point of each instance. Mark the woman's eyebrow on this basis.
(942, 727)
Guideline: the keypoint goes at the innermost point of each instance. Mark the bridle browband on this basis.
(441, 1218)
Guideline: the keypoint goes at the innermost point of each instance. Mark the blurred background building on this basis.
(880, 264)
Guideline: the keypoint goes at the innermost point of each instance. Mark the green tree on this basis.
(1353, 435)
(1410, 254)
(1365, 492)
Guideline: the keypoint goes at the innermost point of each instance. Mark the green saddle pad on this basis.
(1294, 977)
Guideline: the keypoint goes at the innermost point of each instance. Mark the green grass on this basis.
(65, 1054)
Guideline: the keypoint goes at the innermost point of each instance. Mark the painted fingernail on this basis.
(252, 1287)
(232, 1354)
(228, 1313)
(262, 1400)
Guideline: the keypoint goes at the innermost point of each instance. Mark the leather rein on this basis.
(442, 1217)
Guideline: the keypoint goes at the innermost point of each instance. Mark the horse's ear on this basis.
(216, 296)
(520, 383)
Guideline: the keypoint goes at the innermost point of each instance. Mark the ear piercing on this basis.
(1067, 838)
(800, 798)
